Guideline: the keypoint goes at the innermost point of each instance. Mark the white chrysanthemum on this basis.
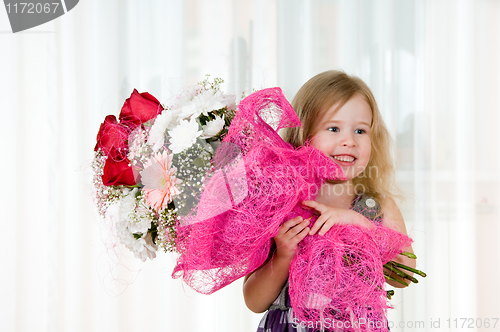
(140, 224)
(142, 248)
(188, 111)
(213, 127)
(230, 101)
(127, 206)
(148, 248)
(208, 101)
(203, 102)
(132, 217)
(167, 119)
(186, 96)
(131, 222)
(183, 135)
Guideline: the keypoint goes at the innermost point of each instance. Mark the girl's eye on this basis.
(359, 131)
(334, 129)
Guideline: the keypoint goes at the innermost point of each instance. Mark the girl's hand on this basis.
(263, 286)
(331, 216)
(289, 235)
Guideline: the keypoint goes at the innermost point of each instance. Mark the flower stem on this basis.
(420, 273)
(390, 266)
(394, 279)
(409, 254)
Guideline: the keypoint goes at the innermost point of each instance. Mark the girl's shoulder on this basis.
(369, 207)
(384, 210)
(392, 214)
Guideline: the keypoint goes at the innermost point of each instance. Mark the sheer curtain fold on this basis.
(432, 65)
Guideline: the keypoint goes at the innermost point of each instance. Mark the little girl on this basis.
(340, 117)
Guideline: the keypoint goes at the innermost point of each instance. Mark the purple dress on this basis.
(280, 316)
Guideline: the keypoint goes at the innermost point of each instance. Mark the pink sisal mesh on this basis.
(257, 183)
(339, 276)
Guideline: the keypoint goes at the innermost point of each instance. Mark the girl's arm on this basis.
(262, 287)
(394, 219)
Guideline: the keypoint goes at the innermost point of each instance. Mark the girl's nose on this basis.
(348, 141)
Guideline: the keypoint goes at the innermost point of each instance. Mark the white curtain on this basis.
(433, 66)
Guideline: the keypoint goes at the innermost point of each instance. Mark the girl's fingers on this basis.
(299, 237)
(325, 228)
(292, 232)
(287, 225)
(317, 225)
(315, 205)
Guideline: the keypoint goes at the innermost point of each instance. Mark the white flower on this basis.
(126, 207)
(213, 127)
(146, 248)
(230, 101)
(183, 135)
(131, 216)
(208, 101)
(186, 96)
(141, 223)
(166, 119)
(204, 102)
(142, 248)
(133, 219)
(187, 111)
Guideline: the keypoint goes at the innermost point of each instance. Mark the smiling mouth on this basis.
(348, 159)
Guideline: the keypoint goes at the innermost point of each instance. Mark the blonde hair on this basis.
(331, 88)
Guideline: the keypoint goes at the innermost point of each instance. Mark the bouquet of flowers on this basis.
(149, 165)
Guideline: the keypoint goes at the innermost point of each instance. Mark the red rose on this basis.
(112, 139)
(118, 173)
(139, 108)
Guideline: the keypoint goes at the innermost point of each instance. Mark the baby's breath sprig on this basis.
(139, 150)
(105, 195)
(166, 231)
(192, 166)
(215, 85)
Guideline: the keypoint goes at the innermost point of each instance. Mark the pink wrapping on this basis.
(257, 183)
(339, 276)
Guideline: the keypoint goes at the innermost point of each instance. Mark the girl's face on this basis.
(344, 135)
